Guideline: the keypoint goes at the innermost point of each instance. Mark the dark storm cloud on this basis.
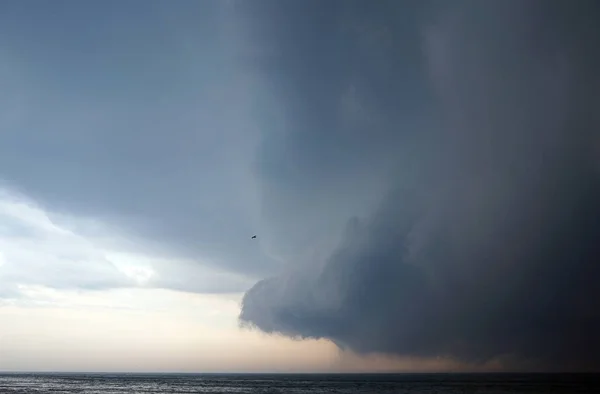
(466, 171)
(336, 66)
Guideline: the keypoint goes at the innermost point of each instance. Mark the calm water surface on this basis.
(305, 383)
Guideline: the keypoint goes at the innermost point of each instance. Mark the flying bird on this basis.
(254, 236)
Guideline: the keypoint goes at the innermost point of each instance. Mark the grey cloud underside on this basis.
(479, 238)
(129, 114)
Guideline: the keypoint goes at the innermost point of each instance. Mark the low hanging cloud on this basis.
(464, 191)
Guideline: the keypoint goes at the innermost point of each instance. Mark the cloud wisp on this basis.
(465, 170)
(43, 250)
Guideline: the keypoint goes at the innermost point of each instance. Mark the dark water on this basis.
(309, 383)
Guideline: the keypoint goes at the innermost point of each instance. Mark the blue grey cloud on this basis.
(134, 113)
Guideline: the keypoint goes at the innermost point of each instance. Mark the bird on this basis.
(254, 237)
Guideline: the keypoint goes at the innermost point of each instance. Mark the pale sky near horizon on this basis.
(49, 326)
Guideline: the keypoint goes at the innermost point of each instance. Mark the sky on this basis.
(422, 178)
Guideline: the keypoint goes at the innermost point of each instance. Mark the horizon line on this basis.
(299, 373)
